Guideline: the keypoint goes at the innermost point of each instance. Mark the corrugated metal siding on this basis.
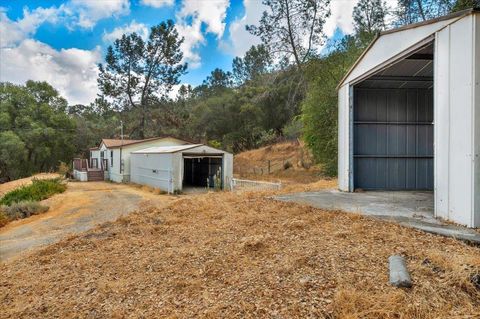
(393, 139)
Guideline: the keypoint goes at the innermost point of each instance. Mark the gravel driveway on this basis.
(81, 207)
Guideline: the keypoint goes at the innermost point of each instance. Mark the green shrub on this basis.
(40, 189)
(22, 210)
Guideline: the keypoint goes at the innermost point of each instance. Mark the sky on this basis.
(62, 42)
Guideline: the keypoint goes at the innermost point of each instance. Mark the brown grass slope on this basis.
(242, 256)
(253, 164)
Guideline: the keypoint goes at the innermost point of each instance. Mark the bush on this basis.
(293, 129)
(3, 218)
(40, 189)
(287, 165)
(21, 210)
(63, 169)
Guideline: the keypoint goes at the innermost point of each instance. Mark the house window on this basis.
(111, 158)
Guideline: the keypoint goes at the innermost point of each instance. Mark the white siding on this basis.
(454, 122)
(343, 138)
(153, 170)
(94, 154)
(476, 110)
(227, 170)
(114, 170)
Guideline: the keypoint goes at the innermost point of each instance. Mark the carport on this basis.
(409, 115)
(174, 168)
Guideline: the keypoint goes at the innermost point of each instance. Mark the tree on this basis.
(412, 11)
(140, 74)
(257, 61)
(319, 109)
(218, 79)
(465, 4)
(36, 133)
(369, 16)
(292, 29)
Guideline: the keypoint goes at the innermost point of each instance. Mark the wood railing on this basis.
(84, 165)
(80, 164)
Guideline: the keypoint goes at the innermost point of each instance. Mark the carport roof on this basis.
(166, 149)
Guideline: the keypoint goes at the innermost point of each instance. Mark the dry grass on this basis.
(253, 164)
(242, 256)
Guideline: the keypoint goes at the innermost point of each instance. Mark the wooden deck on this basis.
(94, 171)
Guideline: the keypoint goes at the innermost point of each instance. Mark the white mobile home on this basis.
(174, 168)
(409, 115)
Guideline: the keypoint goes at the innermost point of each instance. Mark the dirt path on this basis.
(81, 207)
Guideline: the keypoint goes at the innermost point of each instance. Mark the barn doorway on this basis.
(203, 172)
(393, 126)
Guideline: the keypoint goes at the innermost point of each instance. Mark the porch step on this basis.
(95, 175)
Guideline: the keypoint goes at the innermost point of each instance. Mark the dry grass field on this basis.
(242, 255)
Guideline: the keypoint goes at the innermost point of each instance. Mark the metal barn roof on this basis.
(389, 47)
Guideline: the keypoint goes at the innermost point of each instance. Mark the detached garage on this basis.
(409, 115)
(174, 168)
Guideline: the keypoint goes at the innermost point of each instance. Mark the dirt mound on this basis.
(286, 161)
(244, 255)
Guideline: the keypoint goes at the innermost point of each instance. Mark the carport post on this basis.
(350, 139)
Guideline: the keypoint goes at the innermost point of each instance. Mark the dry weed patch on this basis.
(242, 255)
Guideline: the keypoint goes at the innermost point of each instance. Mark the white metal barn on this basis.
(173, 168)
(409, 115)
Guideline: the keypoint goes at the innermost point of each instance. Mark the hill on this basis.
(288, 162)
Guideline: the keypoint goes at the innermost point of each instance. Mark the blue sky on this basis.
(62, 41)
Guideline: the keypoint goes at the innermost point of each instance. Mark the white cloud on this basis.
(192, 16)
(158, 3)
(12, 32)
(240, 39)
(342, 16)
(86, 13)
(73, 72)
(139, 28)
(81, 13)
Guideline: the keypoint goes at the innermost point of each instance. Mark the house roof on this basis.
(115, 143)
(379, 52)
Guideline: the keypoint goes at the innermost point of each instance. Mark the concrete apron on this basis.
(410, 209)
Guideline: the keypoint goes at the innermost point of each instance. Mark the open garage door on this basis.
(393, 138)
(393, 126)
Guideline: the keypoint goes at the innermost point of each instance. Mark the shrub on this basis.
(63, 169)
(3, 218)
(287, 165)
(40, 189)
(22, 210)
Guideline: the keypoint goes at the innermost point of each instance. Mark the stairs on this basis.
(95, 175)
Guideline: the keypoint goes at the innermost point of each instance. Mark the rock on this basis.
(399, 275)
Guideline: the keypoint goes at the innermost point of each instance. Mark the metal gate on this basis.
(393, 139)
